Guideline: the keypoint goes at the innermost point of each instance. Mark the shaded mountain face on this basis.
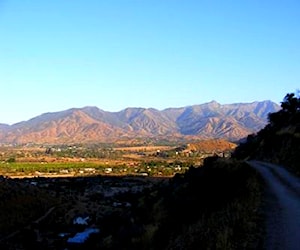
(91, 124)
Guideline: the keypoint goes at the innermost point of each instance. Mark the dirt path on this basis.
(282, 207)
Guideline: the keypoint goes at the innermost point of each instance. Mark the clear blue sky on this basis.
(114, 54)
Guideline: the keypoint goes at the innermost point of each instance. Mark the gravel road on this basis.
(282, 207)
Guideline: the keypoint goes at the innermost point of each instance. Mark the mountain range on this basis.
(91, 124)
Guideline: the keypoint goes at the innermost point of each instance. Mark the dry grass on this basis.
(212, 145)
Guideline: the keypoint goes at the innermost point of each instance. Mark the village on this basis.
(86, 160)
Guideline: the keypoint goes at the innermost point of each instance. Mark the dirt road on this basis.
(282, 207)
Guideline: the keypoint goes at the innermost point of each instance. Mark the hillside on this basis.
(218, 145)
(279, 140)
(91, 124)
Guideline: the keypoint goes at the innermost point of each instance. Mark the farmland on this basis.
(89, 160)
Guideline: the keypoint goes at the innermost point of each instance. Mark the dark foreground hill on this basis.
(91, 124)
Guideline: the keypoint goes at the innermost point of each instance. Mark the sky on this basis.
(114, 54)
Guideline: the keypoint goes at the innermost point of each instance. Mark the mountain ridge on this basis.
(92, 124)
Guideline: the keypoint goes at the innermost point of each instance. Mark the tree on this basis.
(289, 114)
(291, 103)
(11, 160)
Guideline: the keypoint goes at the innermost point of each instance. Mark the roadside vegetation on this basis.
(279, 141)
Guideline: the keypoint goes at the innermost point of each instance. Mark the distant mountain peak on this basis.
(213, 102)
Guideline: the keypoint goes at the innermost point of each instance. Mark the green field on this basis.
(89, 168)
(24, 167)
